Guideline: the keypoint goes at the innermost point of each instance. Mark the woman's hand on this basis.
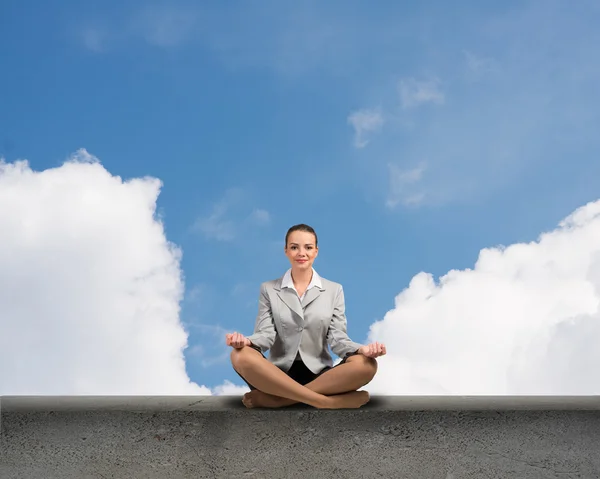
(373, 350)
(237, 340)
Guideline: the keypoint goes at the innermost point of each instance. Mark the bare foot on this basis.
(351, 400)
(256, 398)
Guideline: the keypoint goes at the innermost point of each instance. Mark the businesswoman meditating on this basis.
(298, 316)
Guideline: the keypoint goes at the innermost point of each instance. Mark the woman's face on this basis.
(301, 250)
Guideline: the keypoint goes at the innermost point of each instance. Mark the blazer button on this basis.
(299, 329)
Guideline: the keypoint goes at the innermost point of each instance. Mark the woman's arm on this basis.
(264, 327)
(337, 336)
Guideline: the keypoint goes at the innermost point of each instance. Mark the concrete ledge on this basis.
(221, 403)
(397, 437)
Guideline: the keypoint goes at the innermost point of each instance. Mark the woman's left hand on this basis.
(373, 350)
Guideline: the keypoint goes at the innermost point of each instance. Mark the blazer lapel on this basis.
(311, 295)
(290, 298)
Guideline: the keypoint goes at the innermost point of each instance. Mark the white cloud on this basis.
(404, 186)
(89, 285)
(522, 112)
(524, 320)
(230, 389)
(414, 92)
(365, 121)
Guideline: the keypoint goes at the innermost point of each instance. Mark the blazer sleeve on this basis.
(264, 327)
(337, 336)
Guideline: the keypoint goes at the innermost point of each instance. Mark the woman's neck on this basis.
(303, 277)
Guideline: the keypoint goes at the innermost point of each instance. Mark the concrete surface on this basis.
(216, 437)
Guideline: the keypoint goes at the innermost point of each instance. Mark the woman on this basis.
(299, 315)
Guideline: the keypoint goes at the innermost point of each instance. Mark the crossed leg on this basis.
(336, 388)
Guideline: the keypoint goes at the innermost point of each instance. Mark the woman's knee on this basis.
(367, 366)
(371, 367)
(240, 358)
(237, 358)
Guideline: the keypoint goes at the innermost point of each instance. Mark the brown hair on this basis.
(301, 227)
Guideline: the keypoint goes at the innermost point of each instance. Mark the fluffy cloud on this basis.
(524, 320)
(90, 291)
(365, 121)
(89, 285)
(230, 389)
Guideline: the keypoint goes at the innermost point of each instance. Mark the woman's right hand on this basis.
(236, 340)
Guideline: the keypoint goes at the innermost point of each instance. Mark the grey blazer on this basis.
(286, 326)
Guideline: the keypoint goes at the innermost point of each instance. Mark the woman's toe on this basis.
(247, 400)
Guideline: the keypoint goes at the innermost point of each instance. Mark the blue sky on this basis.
(410, 135)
